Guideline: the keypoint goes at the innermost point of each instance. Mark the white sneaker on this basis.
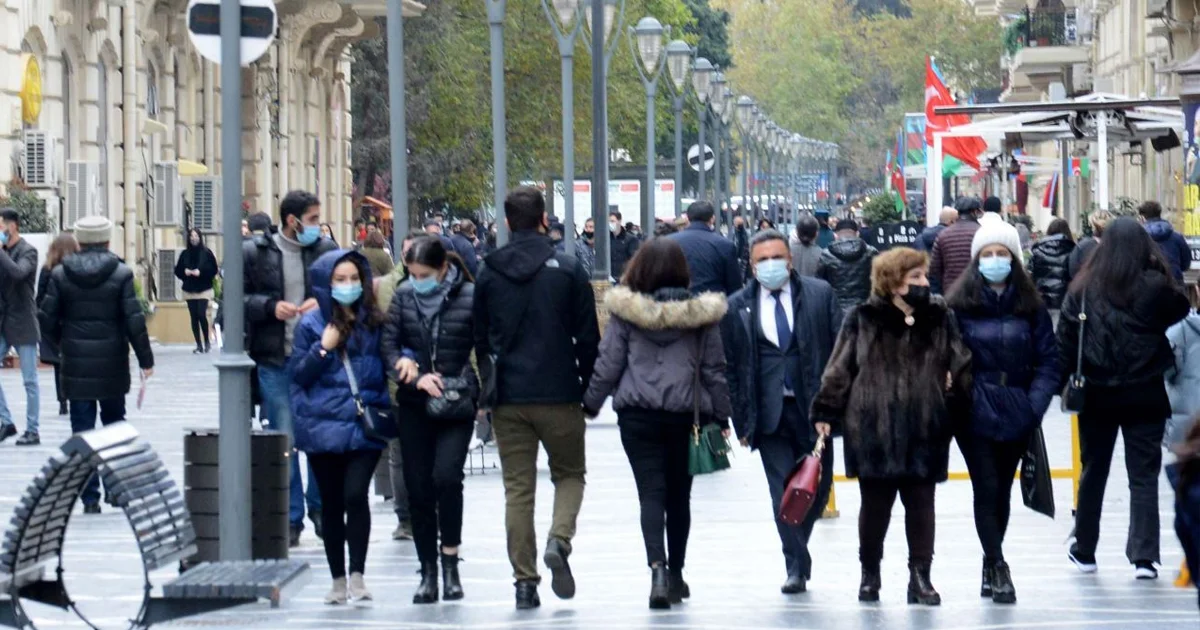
(1145, 571)
(358, 589)
(337, 592)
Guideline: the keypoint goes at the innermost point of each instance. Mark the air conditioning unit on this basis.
(1081, 78)
(37, 163)
(83, 192)
(170, 289)
(206, 204)
(1158, 8)
(167, 205)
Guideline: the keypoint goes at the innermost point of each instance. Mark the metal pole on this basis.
(729, 177)
(1064, 206)
(717, 169)
(233, 366)
(679, 154)
(747, 213)
(495, 9)
(703, 111)
(648, 209)
(568, 131)
(1102, 158)
(398, 124)
(602, 269)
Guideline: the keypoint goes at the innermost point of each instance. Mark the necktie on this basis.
(784, 332)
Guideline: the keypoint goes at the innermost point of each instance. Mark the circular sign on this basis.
(693, 158)
(31, 89)
(260, 21)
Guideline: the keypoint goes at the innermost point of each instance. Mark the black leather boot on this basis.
(985, 586)
(451, 586)
(1003, 591)
(660, 586)
(527, 595)
(427, 592)
(868, 589)
(679, 590)
(920, 588)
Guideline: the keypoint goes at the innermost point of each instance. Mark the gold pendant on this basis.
(910, 320)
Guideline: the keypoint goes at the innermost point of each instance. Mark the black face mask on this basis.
(917, 296)
(589, 234)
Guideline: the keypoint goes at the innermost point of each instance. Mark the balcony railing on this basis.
(1049, 27)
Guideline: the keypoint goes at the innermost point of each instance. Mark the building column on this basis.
(284, 67)
(129, 108)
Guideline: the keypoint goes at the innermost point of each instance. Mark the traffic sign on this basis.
(693, 158)
(260, 21)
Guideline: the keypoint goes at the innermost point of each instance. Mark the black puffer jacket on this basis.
(407, 333)
(201, 258)
(91, 311)
(846, 266)
(1049, 268)
(263, 273)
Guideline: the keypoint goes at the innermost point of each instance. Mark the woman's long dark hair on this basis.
(967, 292)
(1114, 270)
(658, 264)
(344, 318)
(806, 229)
(199, 239)
(1060, 226)
(431, 252)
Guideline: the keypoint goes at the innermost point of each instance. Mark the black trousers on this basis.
(198, 311)
(344, 480)
(1143, 460)
(433, 452)
(993, 466)
(58, 392)
(780, 451)
(878, 497)
(658, 454)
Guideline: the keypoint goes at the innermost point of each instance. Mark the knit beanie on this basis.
(93, 230)
(996, 233)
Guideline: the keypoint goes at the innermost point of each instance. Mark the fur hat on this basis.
(93, 230)
(996, 233)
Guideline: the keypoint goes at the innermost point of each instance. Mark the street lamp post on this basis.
(745, 115)
(495, 10)
(678, 55)
(601, 17)
(646, 43)
(397, 124)
(566, 29)
(702, 72)
(717, 101)
(727, 110)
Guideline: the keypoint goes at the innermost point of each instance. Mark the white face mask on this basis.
(613, 227)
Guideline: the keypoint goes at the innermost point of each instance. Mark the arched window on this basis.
(102, 135)
(68, 107)
(151, 91)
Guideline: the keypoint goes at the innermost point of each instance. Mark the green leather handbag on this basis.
(708, 450)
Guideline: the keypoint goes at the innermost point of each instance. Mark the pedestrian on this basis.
(197, 268)
(585, 247)
(662, 228)
(536, 330)
(327, 232)
(711, 258)
(1014, 365)
(19, 322)
(1050, 255)
(1098, 221)
(373, 250)
(661, 360)
(335, 352)
(951, 252)
(929, 235)
(556, 236)
(1174, 248)
(465, 247)
(825, 236)
(779, 334)
(91, 312)
(806, 254)
(622, 244)
(741, 243)
(765, 224)
(1130, 299)
(1183, 379)
(63, 245)
(899, 376)
(846, 265)
(429, 337)
(1187, 498)
(279, 291)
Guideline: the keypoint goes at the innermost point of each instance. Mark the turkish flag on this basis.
(937, 94)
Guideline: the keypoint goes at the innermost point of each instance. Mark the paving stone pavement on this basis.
(735, 565)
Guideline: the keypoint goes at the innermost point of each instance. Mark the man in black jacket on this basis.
(278, 292)
(846, 265)
(535, 322)
(18, 321)
(712, 259)
(622, 245)
(92, 312)
(779, 332)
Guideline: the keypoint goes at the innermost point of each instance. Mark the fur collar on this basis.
(886, 313)
(645, 312)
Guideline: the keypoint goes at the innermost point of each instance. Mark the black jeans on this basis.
(344, 480)
(198, 311)
(58, 393)
(83, 418)
(657, 448)
(878, 497)
(993, 466)
(1143, 460)
(434, 452)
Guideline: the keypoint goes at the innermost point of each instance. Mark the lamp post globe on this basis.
(702, 71)
(649, 35)
(610, 15)
(745, 109)
(566, 10)
(716, 88)
(678, 55)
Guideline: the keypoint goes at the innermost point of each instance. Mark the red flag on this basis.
(966, 149)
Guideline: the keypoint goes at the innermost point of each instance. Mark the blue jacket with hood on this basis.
(1173, 246)
(323, 409)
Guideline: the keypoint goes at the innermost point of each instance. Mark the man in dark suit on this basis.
(712, 259)
(779, 333)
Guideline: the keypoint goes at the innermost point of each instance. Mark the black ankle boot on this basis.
(920, 588)
(660, 587)
(527, 595)
(868, 589)
(679, 590)
(1003, 591)
(451, 586)
(427, 592)
(985, 585)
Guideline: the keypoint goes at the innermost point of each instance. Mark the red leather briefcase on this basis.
(801, 487)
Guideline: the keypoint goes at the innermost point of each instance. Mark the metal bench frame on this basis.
(137, 482)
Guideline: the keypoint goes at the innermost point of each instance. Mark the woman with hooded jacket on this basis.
(1015, 371)
(1125, 299)
(336, 345)
(197, 268)
(661, 342)
(1048, 264)
(429, 336)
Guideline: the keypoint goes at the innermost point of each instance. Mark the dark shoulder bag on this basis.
(456, 402)
(1073, 393)
(376, 424)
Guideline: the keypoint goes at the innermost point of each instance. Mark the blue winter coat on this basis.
(1183, 380)
(1015, 366)
(1173, 246)
(323, 409)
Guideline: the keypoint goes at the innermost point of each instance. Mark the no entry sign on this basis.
(259, 24)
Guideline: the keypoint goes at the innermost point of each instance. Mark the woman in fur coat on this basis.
(661, 359)
(898, 380)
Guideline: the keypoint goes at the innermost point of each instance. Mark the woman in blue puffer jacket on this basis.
(1011, 337)
(345, 330)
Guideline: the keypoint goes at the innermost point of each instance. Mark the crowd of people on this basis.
(780, 340)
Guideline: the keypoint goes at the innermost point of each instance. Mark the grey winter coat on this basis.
(806, 259)
(18, 275)
(1183, 381)
(649, 352)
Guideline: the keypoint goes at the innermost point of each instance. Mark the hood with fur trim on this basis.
(667, 309)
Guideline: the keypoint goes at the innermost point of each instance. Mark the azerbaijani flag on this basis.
(1050, 199)
(966, 149)
(897, 173)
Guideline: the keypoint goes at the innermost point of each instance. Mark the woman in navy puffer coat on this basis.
(346, 328)
(1011, 337)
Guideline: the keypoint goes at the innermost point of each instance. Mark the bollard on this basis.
(1076, 462)
(1184, 579)
(831, 510)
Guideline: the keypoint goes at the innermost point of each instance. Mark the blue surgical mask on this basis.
(425, 286)
(308, 235)
(3, 238)
(346, 294)
(995, 268)
(773, 274)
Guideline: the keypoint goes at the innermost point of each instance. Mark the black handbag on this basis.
(376, 424)
(1073, 393)
(1037, 489)
(456, 402)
